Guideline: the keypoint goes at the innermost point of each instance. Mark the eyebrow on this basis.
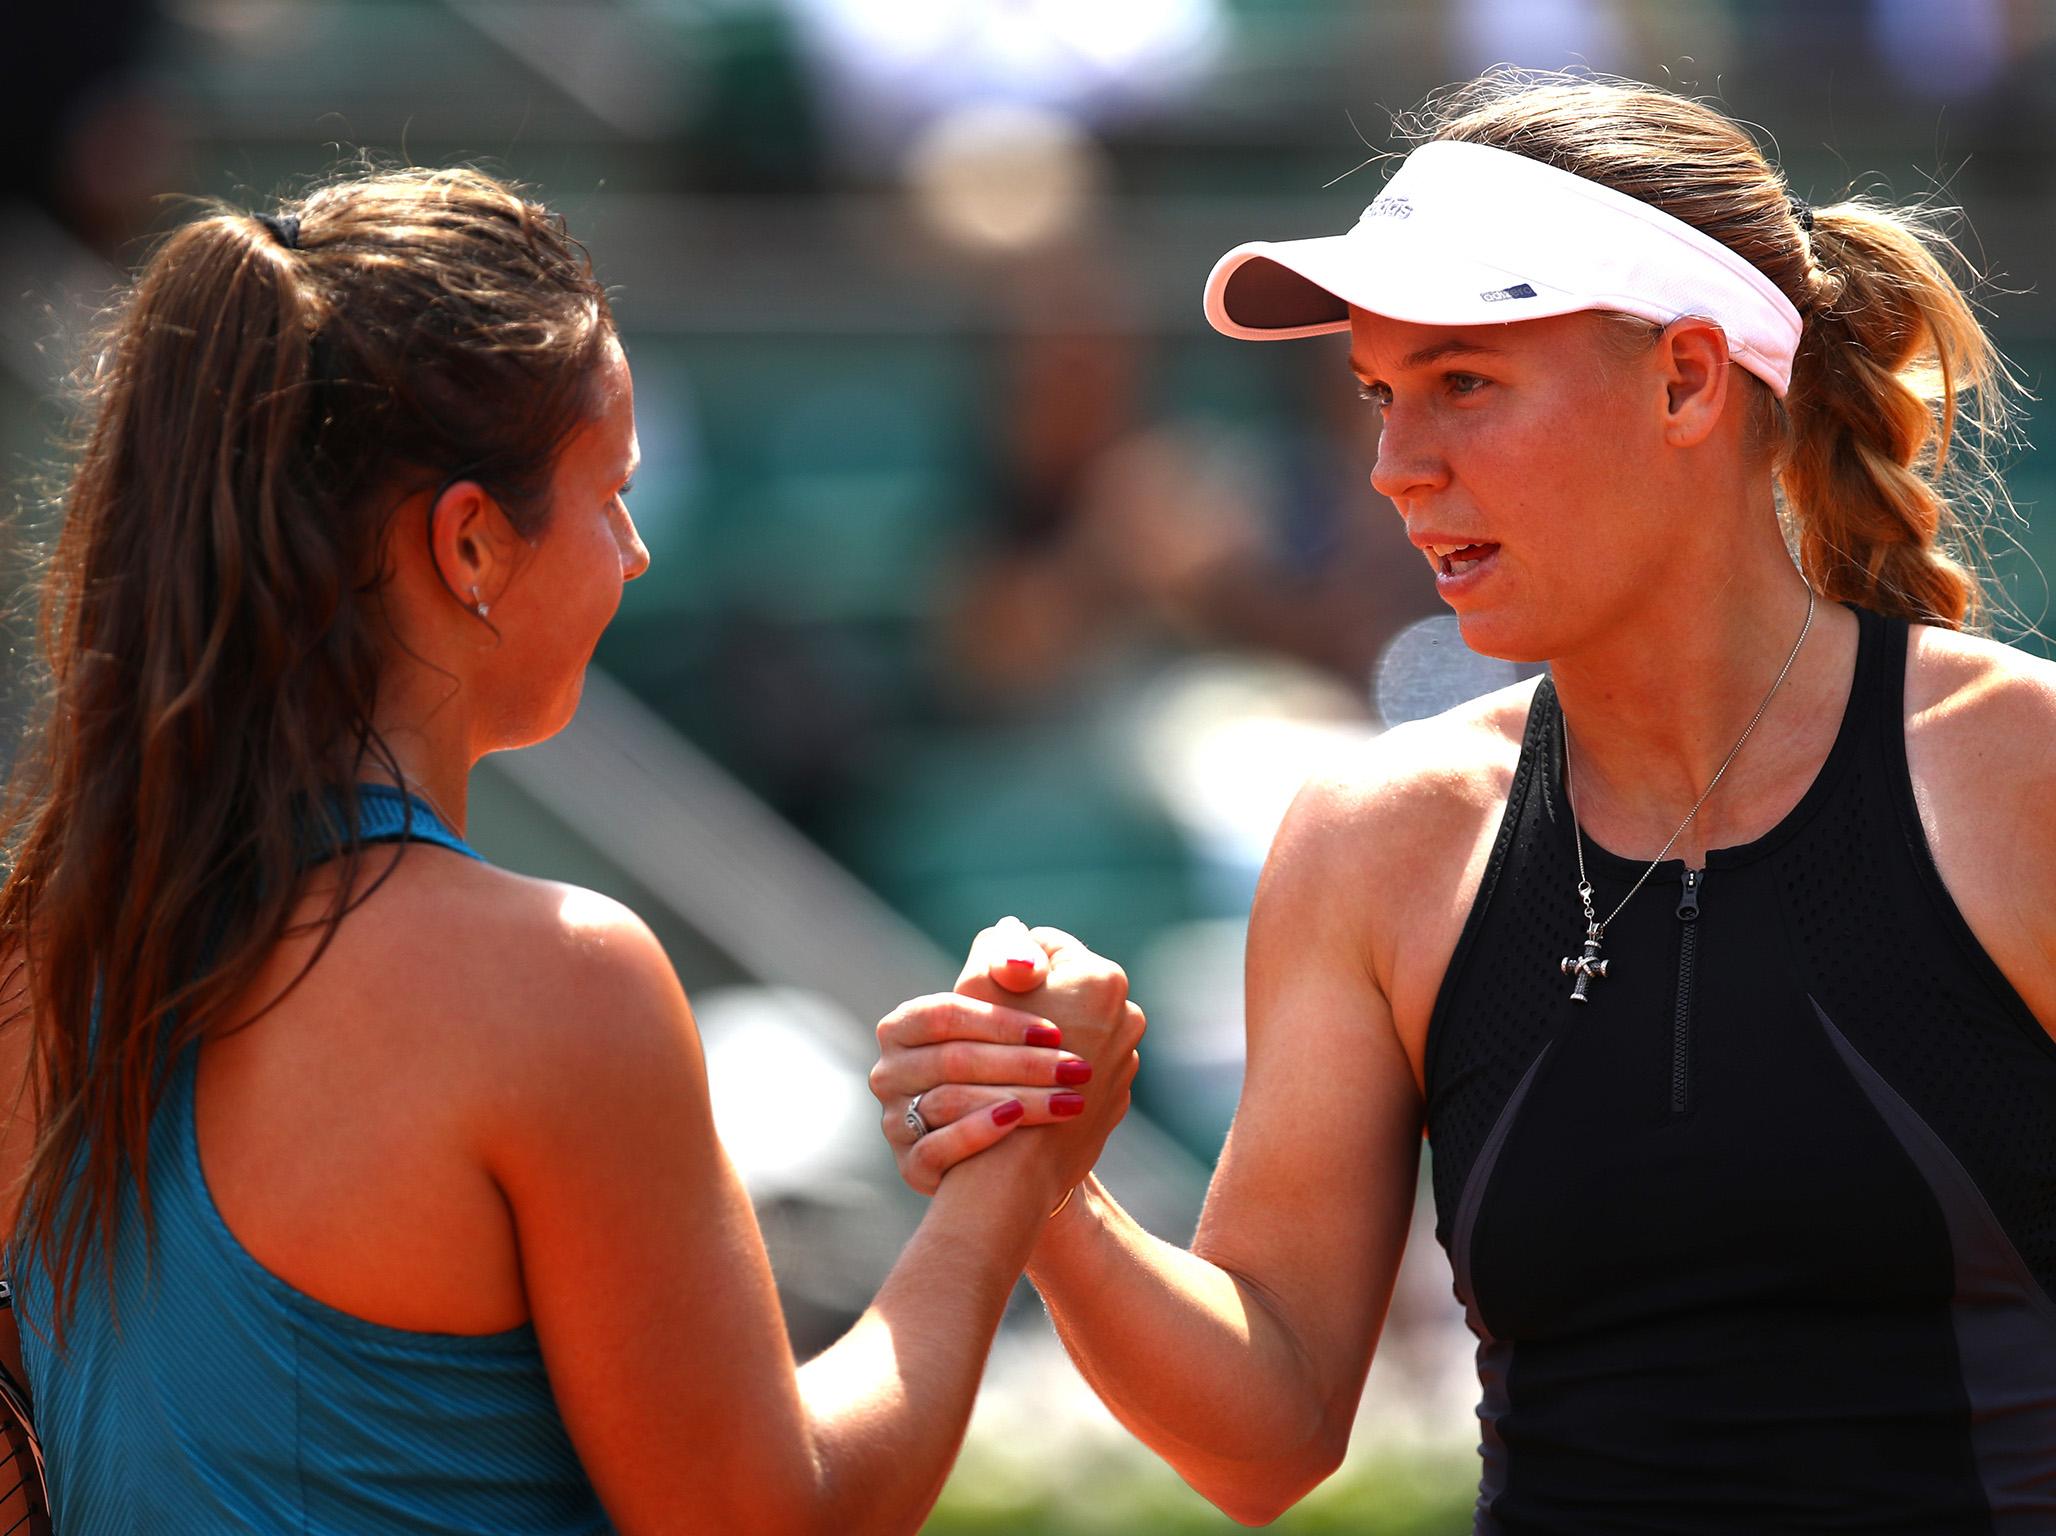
(1435, 353)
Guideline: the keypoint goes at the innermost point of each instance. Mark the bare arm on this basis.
(654, 1302)
(1241, 1360)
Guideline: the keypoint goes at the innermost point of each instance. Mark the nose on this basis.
(635, 555)
(1410, 460)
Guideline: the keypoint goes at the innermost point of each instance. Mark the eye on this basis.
(1374, 394)
(1463, 383)
(627, 489)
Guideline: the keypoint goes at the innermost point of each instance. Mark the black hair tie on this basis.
(284, 227)
(1803, 212)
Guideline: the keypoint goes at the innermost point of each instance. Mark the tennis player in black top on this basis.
(1719, 965)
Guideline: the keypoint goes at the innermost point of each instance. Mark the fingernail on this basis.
(1009, 1112)
(1072, 1073)
(1020, 965)
(1062, 1106)
(1044, 1034)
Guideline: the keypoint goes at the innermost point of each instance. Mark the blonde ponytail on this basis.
(1897, 395)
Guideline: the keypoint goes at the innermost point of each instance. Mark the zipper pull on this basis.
(1688, 901)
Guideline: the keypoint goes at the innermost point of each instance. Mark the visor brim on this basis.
(1278, 290)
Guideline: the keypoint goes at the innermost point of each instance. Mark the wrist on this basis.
(1074, 1218)
(994, 1190)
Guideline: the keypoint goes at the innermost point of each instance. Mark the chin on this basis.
(1506, 636)
(545, 723)
(566, 710)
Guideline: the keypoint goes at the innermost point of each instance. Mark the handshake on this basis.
(1038, 1033)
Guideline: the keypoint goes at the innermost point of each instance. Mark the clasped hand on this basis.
(1039, 1032)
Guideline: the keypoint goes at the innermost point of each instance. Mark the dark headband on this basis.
(284, 227)
(1803, 212)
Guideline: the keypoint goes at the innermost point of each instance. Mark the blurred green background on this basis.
(903, 283)
(986, 578)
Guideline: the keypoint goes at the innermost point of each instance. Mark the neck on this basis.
(1654, 707)
(429, 734)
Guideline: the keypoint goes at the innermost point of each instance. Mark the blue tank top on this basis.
(227, 1400)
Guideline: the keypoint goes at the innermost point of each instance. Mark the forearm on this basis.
(888, 1403)
(1190, 1357)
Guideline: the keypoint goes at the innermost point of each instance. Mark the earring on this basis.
(478, 607)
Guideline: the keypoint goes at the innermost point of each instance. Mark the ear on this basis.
(1693, 356)
(473, 543)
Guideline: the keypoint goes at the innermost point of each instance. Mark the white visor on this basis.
(1465, 234)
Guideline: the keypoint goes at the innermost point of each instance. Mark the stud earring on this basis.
(478, 607)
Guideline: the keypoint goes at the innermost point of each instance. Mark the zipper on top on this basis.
(1689, 900)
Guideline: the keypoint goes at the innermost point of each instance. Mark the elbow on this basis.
(1249, 1510)
(1256, 1493)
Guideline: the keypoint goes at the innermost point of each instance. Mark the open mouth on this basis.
(1455, 559)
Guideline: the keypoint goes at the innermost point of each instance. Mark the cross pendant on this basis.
(1586, 966)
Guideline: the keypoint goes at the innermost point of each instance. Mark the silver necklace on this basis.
(1588, 966)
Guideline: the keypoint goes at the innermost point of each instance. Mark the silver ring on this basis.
(914, 1121)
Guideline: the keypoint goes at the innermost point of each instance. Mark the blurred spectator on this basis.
(1116, 526)
(890, 68)
(1945, 52)
(89, 137)
(2011, 121)
(1534, 34)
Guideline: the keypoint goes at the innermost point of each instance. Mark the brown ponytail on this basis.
(1883, 486)
(209, 619)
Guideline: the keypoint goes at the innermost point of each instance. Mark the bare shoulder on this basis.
(1378, 862)
(1981, 713)
(1381, 855)
(505, 978)
(1412, 788)
(1960, 680)
(558, 935)
(1981, 750)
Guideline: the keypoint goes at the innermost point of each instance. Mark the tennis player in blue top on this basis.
(357, 1186)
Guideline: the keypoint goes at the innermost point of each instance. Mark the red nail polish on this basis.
(1009, 1112)
(1062, 1106)
(1019, 965)
(1072, 1073)
(1044, 1034)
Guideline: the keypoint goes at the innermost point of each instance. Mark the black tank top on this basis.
(1762, 1238)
